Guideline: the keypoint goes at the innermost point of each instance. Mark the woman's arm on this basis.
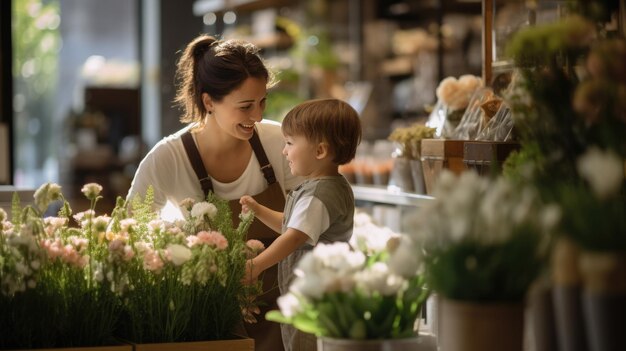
(269, 217)
(284, 245)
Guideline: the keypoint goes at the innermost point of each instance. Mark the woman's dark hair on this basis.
(215, 67)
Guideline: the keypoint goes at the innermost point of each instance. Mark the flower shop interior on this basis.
(489, 183)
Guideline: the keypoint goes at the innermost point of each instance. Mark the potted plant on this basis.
(407, 173)
(358, 297)
(483, 243)
(568, 103)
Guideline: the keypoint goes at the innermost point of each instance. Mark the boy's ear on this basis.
(322, 151)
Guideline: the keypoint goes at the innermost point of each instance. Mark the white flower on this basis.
(310, 286)
(603, 170)
(47, 193)
(406, 259)
(378, 278)
(3, 216)
(289, 305)
(203, 208)
(178, 254)
(91, 190)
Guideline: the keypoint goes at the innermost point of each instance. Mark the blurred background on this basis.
(87, 85)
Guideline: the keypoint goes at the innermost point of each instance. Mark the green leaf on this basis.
(276, 316)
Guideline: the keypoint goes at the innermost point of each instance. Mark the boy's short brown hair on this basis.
(326, 120)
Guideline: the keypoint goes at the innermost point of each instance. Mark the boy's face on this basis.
(301, 155)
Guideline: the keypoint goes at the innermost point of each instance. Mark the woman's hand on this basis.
(248, 204)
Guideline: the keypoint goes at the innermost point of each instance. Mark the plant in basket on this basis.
(359, 293)
(53, 293)
(183, 282)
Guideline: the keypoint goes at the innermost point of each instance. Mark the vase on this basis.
(400, 178)
(472, 326)
(417, 175)
(604, 299)
(566, 296)
(417, 343)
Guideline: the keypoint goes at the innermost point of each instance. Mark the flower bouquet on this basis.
(453, 97)
(52, 293)
(355, 294)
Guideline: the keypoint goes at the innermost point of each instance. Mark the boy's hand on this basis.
(247, 204)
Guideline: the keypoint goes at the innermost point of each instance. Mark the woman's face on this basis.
(238, 111)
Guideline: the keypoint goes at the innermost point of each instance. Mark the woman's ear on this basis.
(322, 151)
(207, 102)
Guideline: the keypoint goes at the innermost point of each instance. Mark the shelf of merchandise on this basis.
(383, 195)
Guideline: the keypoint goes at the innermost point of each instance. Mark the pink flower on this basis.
(254, 247)
(152, 261)
(212, 238)
(53, 223)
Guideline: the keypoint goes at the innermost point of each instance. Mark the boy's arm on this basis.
(269, 217)
(272, 219)
(284, 245)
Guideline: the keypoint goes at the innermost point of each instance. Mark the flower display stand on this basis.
(246, 344)
(469, 326)
(440, 154)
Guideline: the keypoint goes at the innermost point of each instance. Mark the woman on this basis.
(227, 148)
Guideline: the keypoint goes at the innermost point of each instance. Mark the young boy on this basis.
(320, 136)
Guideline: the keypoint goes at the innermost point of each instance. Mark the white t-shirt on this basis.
(168, 169)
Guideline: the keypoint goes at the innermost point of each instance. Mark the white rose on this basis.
(603, 170)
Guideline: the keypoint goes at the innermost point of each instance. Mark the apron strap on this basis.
(196, 162)
(198, 166)
(266, 166)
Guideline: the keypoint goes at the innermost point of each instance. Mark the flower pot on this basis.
(417, 174)
(469, 326)
(418, 343)
(400, 177)
(540, 322)
(566, 296)
(604, 299)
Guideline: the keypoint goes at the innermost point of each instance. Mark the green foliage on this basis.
(474, 272)
(410, 139)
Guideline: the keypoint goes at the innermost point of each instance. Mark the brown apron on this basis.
(266, 334)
